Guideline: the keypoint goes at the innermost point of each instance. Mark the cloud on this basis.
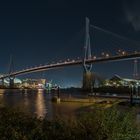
(132, 13)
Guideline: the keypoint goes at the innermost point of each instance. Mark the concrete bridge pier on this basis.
(11, 82)
(88, 81)
(2, 81)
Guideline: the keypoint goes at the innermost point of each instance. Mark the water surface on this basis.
(39, 102)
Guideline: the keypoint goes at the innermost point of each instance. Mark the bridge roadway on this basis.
(73, 63)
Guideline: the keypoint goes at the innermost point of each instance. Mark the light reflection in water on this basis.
(40, 104)
(26, 100)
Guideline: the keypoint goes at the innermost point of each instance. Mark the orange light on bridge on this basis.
(107, 55)
(124, 53)
(119, 50)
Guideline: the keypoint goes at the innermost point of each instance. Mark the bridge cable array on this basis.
(116, 40)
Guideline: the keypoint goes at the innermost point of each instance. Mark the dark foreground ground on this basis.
(100, 124)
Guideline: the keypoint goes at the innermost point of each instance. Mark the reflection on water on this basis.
(37, 102)
(40, 104)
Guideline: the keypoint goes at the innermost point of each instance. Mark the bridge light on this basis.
(123, 53)
(119, 52)
(107, 55)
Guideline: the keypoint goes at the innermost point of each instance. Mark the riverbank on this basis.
(101, 124)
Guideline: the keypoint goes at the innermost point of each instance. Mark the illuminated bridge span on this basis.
(130, 56)
(87, 60)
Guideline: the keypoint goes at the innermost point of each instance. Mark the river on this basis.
(38, 103)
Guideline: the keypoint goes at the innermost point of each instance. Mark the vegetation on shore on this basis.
(109, 124)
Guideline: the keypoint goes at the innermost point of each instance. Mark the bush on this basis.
(108, 124)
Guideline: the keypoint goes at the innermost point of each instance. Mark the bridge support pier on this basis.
(11, 82)
(2, 81)
(88, 81)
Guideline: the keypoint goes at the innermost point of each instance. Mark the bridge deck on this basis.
(73, 63)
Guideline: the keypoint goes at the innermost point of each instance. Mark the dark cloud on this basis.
(132, 13)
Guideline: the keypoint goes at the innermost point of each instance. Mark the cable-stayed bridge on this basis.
(92, 60)
(86, 61)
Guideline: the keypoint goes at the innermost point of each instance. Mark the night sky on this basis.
(39, 32)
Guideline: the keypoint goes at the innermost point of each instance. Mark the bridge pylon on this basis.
(88, 78)
(11, 69)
